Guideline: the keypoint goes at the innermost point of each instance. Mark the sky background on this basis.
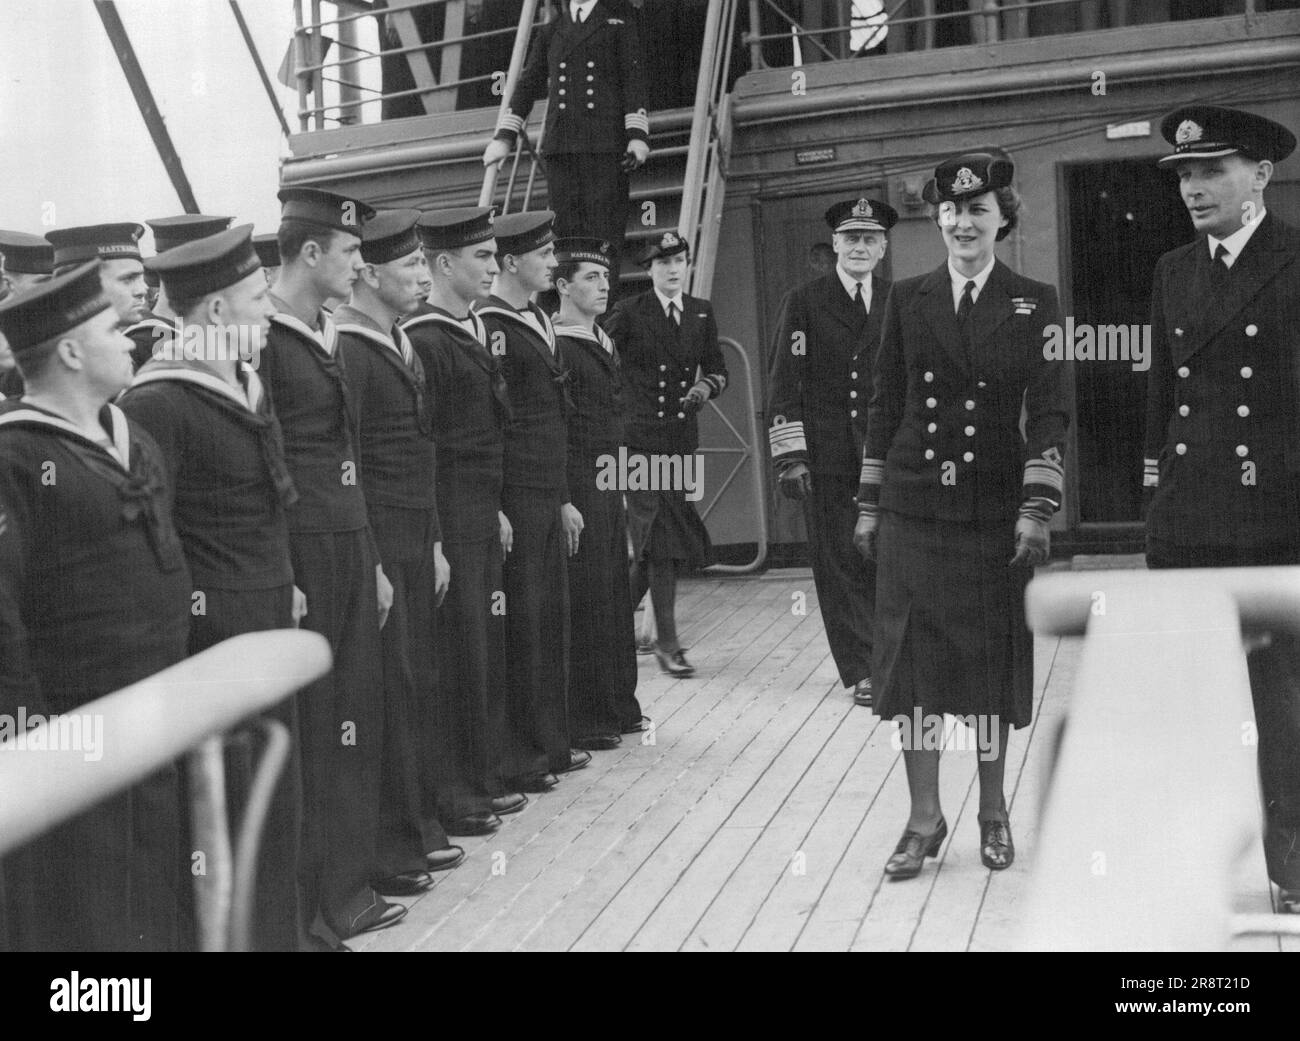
(73, 146)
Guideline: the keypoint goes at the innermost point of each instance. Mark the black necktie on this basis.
(674, 314)
(963, 313)
(858, 298)
(1220, 264)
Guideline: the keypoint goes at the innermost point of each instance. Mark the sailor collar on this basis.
(325, 339)
(441, 317)
(578, 332)
(200, 375)
(116, 426)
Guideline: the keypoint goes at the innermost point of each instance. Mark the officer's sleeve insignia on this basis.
(1053, 455)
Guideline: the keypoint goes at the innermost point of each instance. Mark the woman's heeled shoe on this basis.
(911, 851)
(674, 663)
(997, 851)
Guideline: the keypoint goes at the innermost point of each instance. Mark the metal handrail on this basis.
(517, 56)
(1152, 790)
(748, 453)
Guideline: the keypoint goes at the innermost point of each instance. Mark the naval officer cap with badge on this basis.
(1222, 448)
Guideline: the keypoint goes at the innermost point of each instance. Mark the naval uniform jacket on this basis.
(224, 453)
(596, 425)
(943, 429)
(398, 460)
(821, 376)
(94, 590)
(305, 372)
(536, 381)
(592, 74)
(467, 395)
(1223, 395)
(660, 364)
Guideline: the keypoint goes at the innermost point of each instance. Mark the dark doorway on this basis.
(1122, 217)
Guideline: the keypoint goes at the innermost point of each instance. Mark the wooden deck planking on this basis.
(569, 812)
(687, 841)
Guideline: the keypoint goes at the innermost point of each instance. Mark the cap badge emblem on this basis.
(1187, 132)
(862, 209)
(966, 181)
(670, 239)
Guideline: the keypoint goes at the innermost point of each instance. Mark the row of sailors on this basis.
(411, 475)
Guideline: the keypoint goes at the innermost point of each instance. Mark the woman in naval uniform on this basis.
(955, 501)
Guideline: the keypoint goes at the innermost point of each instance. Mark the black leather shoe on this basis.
(512, 802)
(911, 851)
(444, 859)
(674, 663)
(1288, 901)
(997, 851)
(382, 916)
(577, 760)
(539, 782)
(598, 742)
(640, 726)
(408, 883)
(474, 824)
(862, 693)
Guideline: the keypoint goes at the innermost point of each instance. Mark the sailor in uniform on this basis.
(335, 562)
(224, 455)
(602, 644)
(386, 379)
(546, 526)
(672, 365)
(122, 270)
(158, 324)
(24, 261)
(587, 63)
(1223, 413)
(477, 759)
(820, 382)
(94, 596)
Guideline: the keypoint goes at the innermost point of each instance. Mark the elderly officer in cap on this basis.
(1223, 413)
(960, 497)
(94, 596)
(673, 365)
(817, 407)
(24, 261)
(158, 325)
(588, 63)
(122, 270)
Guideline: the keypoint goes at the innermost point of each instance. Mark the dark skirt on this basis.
(950, 630)
(664, 526)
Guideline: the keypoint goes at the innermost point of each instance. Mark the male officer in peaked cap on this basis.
(122, 270)
(158, 325)
(94, 596)
(587, 63)
(817, 408)
(1223, 413)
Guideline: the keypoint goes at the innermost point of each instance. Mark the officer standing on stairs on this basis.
(587, 63)
(817, 409)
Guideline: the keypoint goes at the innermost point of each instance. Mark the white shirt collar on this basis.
(582, 7)
(959, 282)
(664, 301)
(850, 284)
(1236, 242)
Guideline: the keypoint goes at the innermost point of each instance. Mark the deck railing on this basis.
(797, 33)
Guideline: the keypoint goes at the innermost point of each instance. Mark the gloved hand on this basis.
(635, 156)
(496, 151)
(864, 534)
(795, 481)
(696, 397)
(1033, 543)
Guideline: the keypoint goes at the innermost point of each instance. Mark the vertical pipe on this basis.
(347, 92)
(301, 61)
